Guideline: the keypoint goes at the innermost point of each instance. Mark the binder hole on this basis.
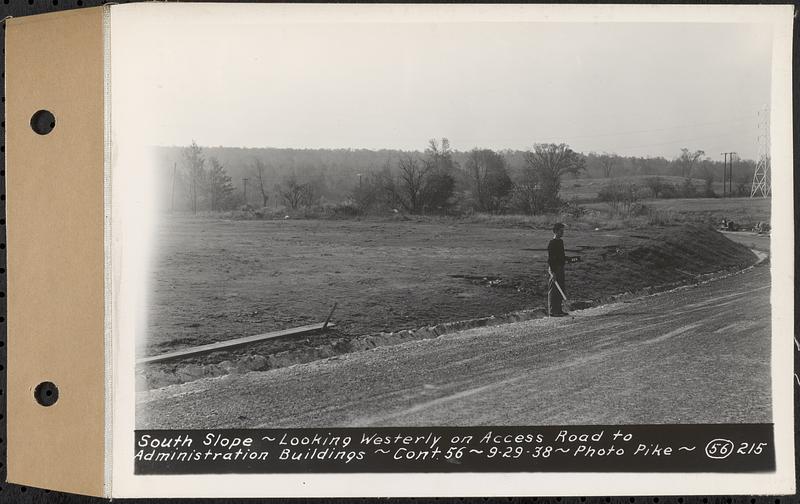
(46, 393)
(43, 122)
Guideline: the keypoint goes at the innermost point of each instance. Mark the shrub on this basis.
(622, 198)
(669, 191)
(526, 198)
(572, 209)
(490, 185)
(346, 209)
(687, 189)
(661, 217)
(708, 188)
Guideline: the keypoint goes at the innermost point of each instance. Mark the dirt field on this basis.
(221, 279)
(697, 355)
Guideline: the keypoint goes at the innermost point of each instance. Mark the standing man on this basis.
(555, 263)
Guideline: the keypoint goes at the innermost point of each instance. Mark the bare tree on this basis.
(411, 182)
(526, 196)
(439, 156)
(687, 160)
(656, 185)
(293, 193)
(488, 179)
(259, 168)
(546, 165)
(608, 162)
(373, 191)
(195, 171)
(621, 197)
(639, 165)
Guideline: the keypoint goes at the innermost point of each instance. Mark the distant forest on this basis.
(434, 179)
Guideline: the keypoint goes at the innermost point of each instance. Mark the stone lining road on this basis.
(695, 355)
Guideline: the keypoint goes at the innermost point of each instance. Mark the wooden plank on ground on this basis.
(227, 345)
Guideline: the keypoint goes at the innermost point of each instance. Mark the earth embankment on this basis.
(215, 280)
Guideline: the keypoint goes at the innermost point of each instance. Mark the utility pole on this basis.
(245, 189)
(724, 172)
(727, 168)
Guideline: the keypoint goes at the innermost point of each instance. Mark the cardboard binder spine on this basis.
(56, 251)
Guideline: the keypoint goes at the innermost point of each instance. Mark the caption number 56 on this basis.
(719, 448)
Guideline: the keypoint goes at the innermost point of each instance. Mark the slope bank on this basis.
(393, 281)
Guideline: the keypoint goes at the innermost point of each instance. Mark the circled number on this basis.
(719, 448)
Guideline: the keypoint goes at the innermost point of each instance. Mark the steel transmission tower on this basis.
(761, 184)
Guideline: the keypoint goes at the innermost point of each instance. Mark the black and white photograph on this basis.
(466, 222)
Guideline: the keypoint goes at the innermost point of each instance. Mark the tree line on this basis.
(436, 179)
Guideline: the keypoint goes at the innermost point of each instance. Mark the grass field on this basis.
(586, 189)
(745, 211)
(220, 279)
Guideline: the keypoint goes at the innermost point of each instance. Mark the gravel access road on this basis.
(700, 354)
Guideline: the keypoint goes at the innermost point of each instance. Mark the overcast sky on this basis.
(629, 88)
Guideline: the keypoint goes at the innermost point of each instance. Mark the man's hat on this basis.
(557, 226)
